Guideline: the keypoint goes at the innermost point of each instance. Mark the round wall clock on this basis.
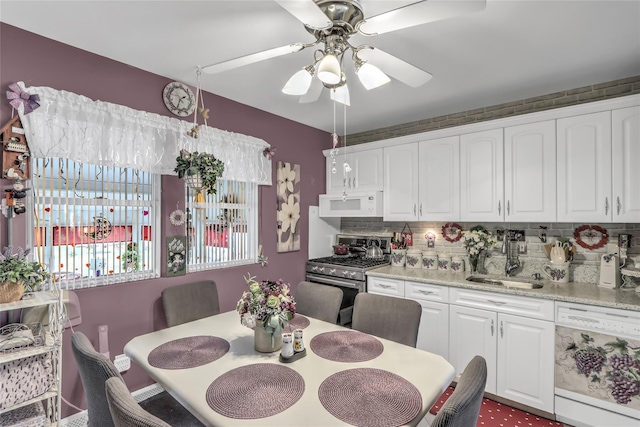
(179, 99)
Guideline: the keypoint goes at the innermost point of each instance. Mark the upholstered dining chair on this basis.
(125, 411)
(189, 302)
(94, 370)
(395, 319)
(319, 301)
(463, 406)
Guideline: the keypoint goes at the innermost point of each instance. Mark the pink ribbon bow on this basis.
(18, 97)
(269, 152)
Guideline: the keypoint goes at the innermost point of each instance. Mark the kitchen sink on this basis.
(506, 283)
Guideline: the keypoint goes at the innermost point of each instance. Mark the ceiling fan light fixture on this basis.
(329, 69)
(371, 76)
(299, 83)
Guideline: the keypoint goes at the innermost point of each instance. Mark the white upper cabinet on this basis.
(584, 168)
(482, 176)
(365, 174)
(626, 164)
(439, 180)
(400, 194)
(530, 172)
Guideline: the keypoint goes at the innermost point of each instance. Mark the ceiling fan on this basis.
(333, 23)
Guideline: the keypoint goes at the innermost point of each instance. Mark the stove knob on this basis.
(345, 273)
(314, 268)
(332, 271)
(352, 274)
(321, 269)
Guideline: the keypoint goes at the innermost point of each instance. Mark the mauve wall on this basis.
(134, 308)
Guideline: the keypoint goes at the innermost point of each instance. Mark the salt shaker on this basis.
(298, 343)
(287, 345)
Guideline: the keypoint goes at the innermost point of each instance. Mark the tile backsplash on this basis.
(584, 268)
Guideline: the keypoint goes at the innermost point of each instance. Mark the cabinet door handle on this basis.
(491, 327)
(420, 209)
(383, 286)
(422, 291)
(501, 330)
(499, 207)
(414, 209)
(355, 184)
(606, 205)
(619, 205)
(344, 181)
(508, 208)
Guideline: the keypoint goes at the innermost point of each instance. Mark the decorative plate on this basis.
(452, 232)
(591, 236)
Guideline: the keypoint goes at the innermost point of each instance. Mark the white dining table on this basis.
(430, 373)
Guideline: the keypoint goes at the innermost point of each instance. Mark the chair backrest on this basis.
(94, 370)
(125, 411)
(319, 301)
(463, 406)
(396, 319)
(189, 302)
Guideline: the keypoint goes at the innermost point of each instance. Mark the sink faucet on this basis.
(512, 261)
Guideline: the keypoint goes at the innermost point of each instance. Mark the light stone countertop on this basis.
(580, 293)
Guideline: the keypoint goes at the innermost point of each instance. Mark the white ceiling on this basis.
(510, 51)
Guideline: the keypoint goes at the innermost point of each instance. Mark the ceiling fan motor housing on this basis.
(343, 13)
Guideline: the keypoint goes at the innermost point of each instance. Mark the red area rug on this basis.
(494, 414)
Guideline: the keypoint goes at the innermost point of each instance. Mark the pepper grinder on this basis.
(298, 343)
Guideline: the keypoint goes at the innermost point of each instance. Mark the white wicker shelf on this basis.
(52, 345)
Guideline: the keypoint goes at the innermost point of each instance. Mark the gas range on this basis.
(348, 272)
(351, 267)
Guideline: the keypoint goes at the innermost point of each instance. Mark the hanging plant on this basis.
(201, 167)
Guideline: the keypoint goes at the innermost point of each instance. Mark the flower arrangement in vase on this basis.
(475, 241)
(267, 307)
(18, 275)
(201, 170)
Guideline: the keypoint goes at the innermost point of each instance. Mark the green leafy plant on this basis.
(16, 268)
(206, 165)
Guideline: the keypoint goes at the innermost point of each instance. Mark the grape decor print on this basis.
(607, 368)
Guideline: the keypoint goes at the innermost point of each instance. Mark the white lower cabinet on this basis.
(472, 332)
(526, 361)
(514, 334)
(518, 348)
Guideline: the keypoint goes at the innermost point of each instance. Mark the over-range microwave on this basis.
(353, 205)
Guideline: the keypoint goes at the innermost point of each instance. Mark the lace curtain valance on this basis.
(75, 127)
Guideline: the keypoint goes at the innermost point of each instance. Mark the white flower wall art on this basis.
(288, 193)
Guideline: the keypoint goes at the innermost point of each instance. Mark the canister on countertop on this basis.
(398, 257)
(414, 258)
(429, 260)
(444, 262)
(457, 264)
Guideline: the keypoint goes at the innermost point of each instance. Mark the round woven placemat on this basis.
(255, 391)
(346, 346)
(370, 398)
(189, 352)
(298, 322)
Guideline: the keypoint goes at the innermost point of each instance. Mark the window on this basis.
(222, 227)
(95, 225)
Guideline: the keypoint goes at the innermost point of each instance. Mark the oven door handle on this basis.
(331, 281)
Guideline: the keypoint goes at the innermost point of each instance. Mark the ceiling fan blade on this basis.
(252, 58)
(307, 12)
(418, 14)
(395, 67)
(313, 93)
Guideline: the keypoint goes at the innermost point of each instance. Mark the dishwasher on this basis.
(597, 366)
